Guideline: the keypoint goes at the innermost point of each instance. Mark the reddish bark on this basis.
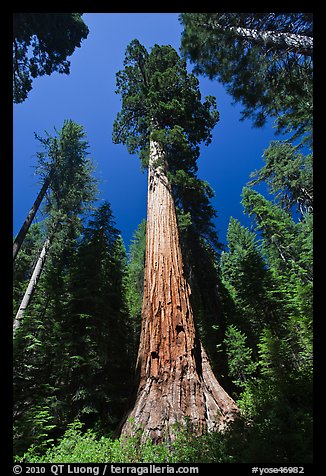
(175, 377)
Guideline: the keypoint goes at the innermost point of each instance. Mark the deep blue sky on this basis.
(88, 97)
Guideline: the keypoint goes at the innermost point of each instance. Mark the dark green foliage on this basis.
(87, 447)
(70, 191)
(269, 339)
(287, 245)
(41, 44)
(135, 283)
(242, 444)
(192, 199)
(64, 364)
(75, 352)
(240, 358)
(25, 262)
(289, 175)
(247, 279)
(158, 93)
(266, 79)
(73, 356)
(97, 312)
(66, 154)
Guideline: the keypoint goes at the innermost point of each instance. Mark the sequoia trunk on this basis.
(175, 377)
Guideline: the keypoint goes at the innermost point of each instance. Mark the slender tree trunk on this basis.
(30, 217)
(175, 377)
(300, 44)
(31, 285)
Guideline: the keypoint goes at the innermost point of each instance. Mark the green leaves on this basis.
(72, 185)
(288, 174)
(65, 339)
(269, 80)
(269, 338)
(286, 244)
(51, 38)
(240, 358)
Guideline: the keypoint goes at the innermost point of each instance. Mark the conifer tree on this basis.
(135, 283)
(268, 340)
(248, 281)
(164, 119)
(263, 72)
(31, 214)
(41, 44)
(39, 359)
(71, 188)
(288, 174)
(286, 244)
(99, 330)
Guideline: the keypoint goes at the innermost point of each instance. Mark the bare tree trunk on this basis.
(175, 377)
(300, 44)
(31, 285)
(30, 217)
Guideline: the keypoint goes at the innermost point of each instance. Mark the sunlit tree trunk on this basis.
(30, 217)
(175, 377)
(300, 44)
(31, 285)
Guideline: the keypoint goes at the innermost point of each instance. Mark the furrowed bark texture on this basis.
(175, 377)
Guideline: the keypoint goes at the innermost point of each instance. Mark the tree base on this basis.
(192, 398)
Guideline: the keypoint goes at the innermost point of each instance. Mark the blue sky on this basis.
(88, 97)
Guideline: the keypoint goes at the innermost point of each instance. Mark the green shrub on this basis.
(262, 440)
(77, 446)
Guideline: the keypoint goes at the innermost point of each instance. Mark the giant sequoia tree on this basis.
(163, 118)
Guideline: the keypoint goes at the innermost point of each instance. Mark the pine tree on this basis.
(135, 283)
(268, 345)
(246, 277)
(99, 331)
(71, 187)
(163, 117)
(31, 214)
(269, 78)
(39, 358)
(288, 249)
(287, 245)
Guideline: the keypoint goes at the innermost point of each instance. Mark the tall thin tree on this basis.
(72, 188)
(32, 284)
(31, 214)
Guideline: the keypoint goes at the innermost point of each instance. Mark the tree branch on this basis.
(299, 44)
